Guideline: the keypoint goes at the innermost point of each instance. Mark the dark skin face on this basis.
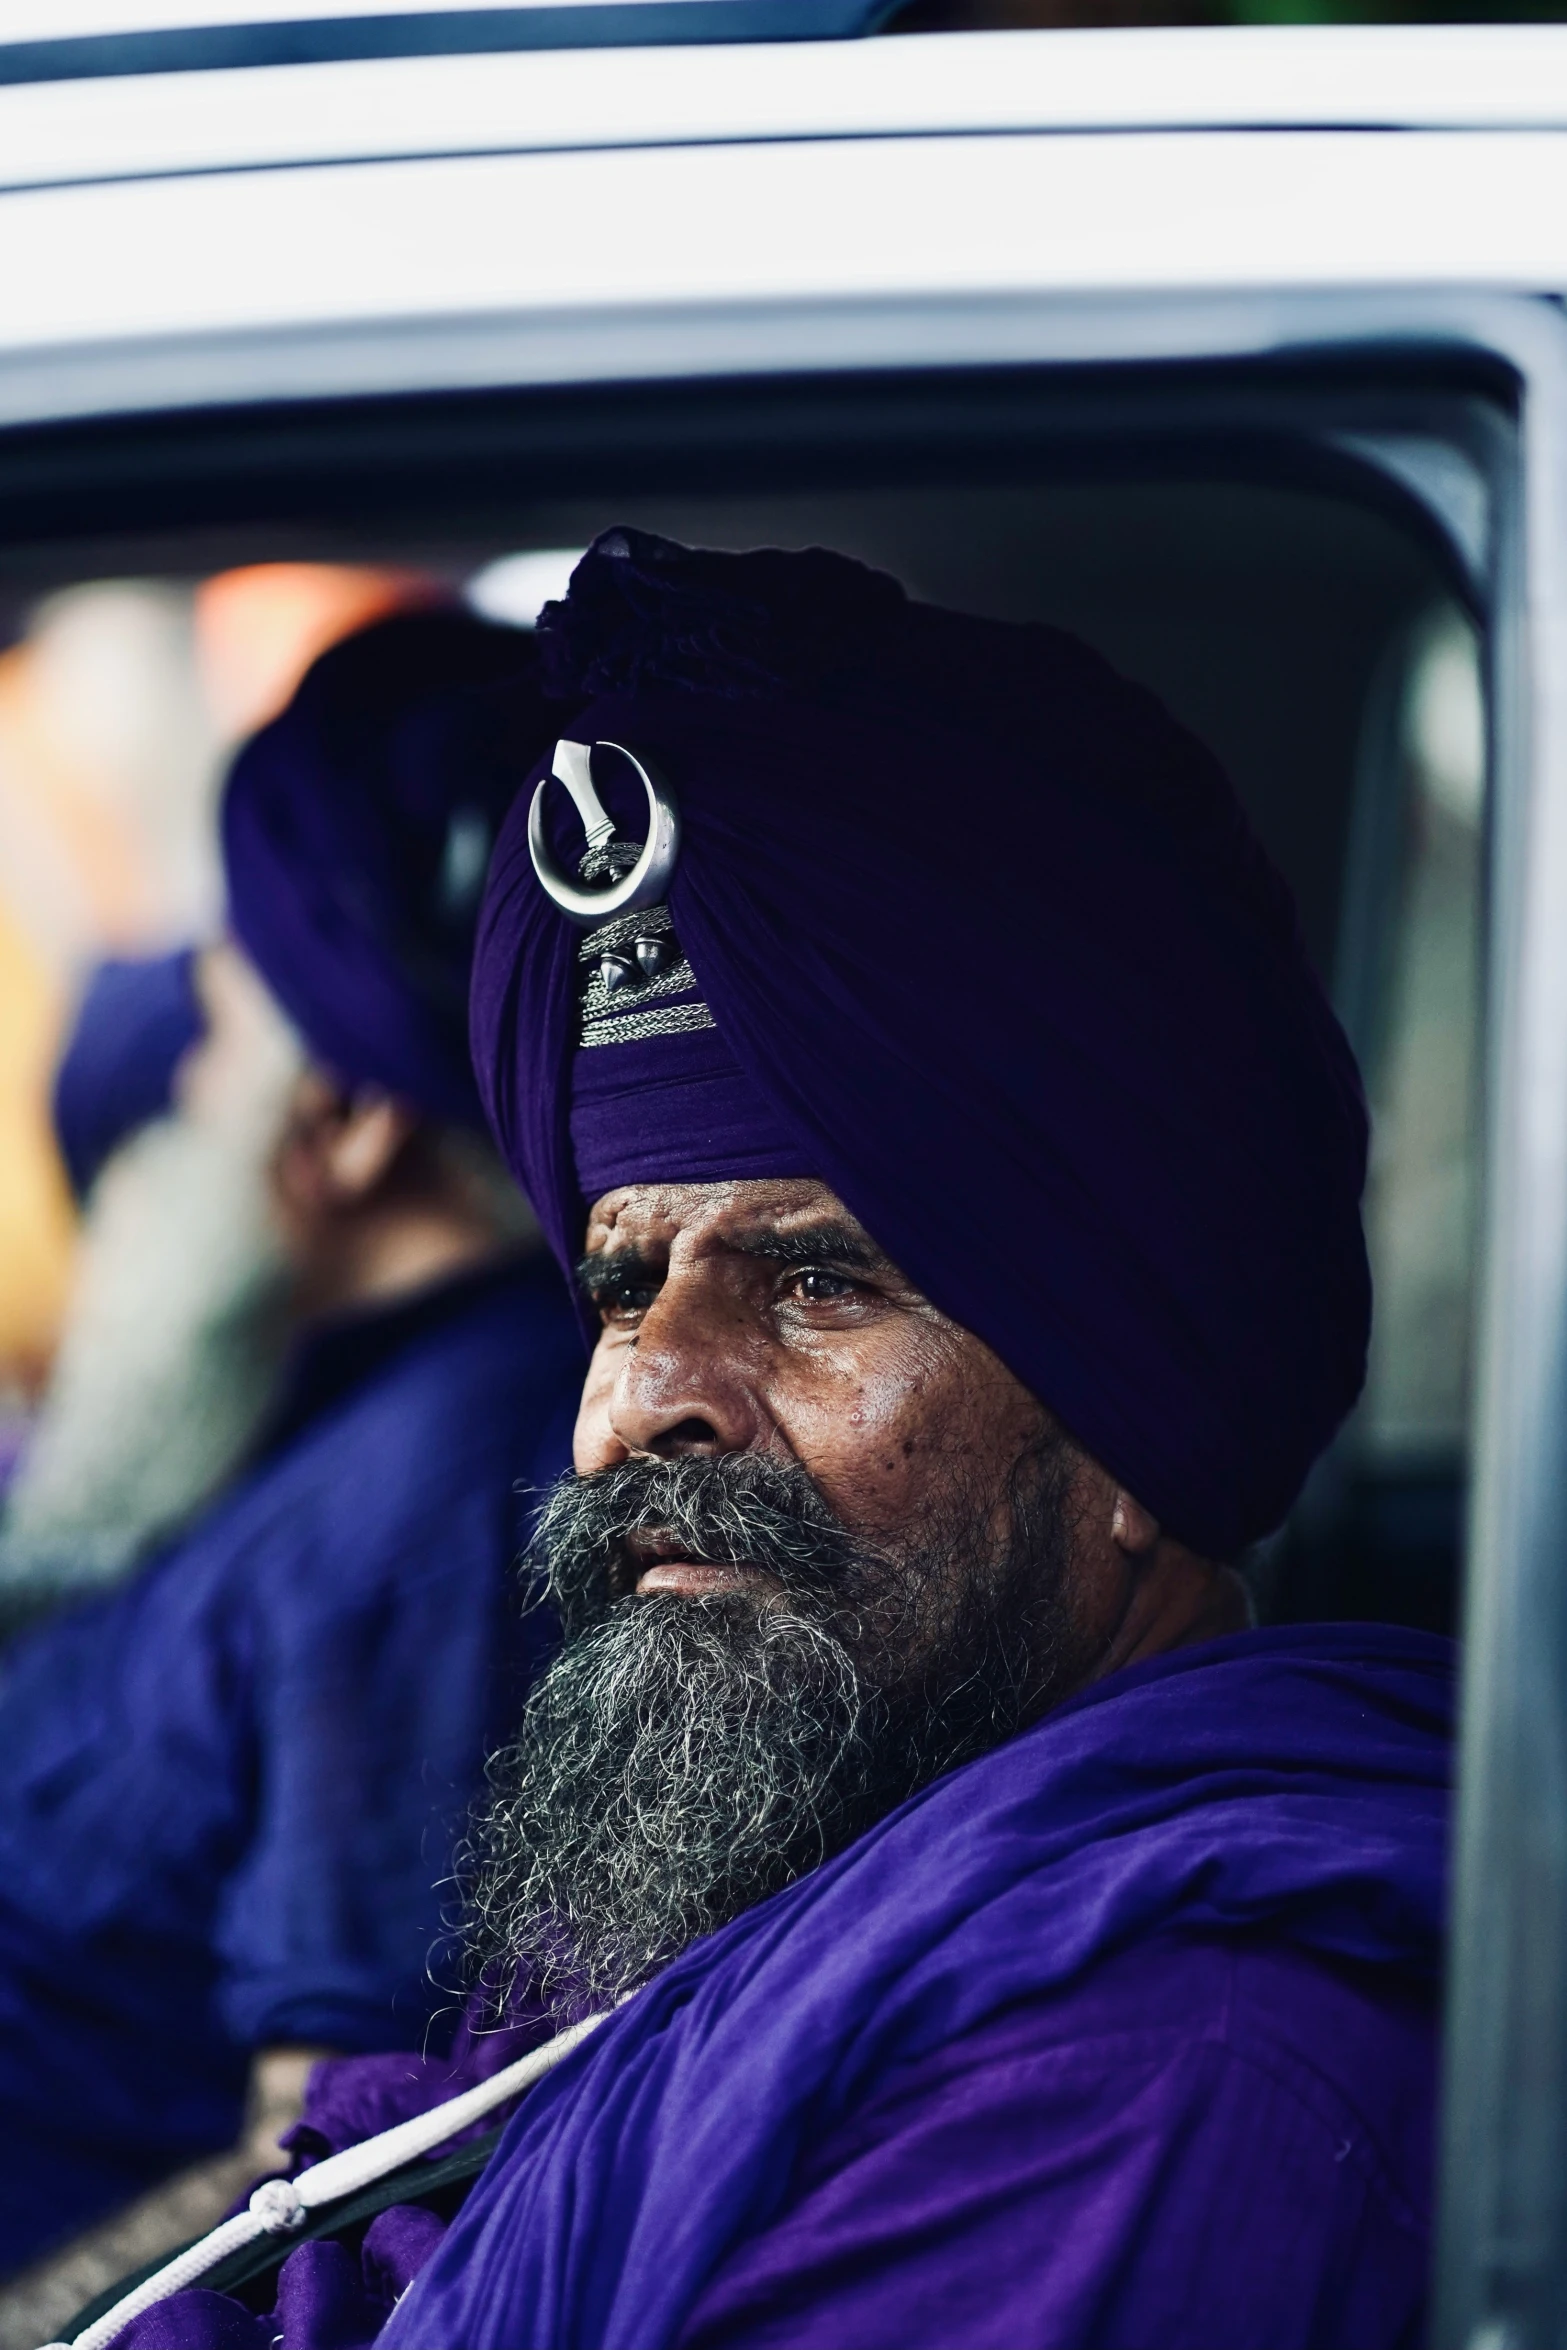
(761, 1317)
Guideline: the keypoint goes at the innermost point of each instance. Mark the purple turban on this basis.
(357, 828)
(965, 924)
(137, 1019)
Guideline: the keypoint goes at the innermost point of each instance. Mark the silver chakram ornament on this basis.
(647, 883)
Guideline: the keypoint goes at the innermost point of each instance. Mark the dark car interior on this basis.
(1230, 537)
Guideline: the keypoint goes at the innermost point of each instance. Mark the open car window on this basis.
(1272, 419)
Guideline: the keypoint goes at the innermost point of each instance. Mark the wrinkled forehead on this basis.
(666, 1218)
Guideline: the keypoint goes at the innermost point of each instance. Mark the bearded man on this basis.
(998, 1941)
(175, 1337)
(229, 1783)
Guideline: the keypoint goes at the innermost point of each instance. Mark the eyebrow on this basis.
(612, 1269)
(835, 1244)
(843, 1245)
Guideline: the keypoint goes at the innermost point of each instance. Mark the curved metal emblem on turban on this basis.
(647, 883)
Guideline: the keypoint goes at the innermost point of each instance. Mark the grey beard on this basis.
(682, 1759)
(169, 1360)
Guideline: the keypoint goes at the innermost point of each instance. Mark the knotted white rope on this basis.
(279, 2207)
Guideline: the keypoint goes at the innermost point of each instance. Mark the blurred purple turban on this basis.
(138, 1017)
(357, 828)
(968, 926)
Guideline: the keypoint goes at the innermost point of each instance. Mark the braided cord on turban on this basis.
(988, 934)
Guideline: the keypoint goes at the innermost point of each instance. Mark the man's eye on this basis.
(813, 1287)
(624, 1304)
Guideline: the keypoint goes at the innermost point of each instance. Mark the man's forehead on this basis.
(665, 1216)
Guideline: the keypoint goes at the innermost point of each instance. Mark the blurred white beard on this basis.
(171, 1352)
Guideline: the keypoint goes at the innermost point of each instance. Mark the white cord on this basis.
(280, 2206)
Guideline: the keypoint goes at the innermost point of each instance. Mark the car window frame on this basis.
(1361, 378)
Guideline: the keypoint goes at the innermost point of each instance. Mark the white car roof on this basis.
(45, 25)
(1278, 77)
(405, 224)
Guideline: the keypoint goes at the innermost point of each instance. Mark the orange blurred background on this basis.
(119, 709)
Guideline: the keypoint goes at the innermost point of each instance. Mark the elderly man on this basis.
(173, 1344)
(228, 1785)
(998, 1942)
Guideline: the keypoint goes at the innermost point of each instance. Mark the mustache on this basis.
(739, 1509)
(683, 1758)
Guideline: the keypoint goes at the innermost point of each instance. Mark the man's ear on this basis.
(1132, 1528)
(365, 1144)
(339, 1147)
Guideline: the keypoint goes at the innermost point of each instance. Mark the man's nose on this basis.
(686, 1387)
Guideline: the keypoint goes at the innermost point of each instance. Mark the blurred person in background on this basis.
(122, 702)
(228, 1783)
(177, 1327)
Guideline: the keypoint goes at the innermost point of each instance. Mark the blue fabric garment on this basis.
(1197, 2145)
(1289, 1786)
(1208, 2143)
(136, 1019)
(228, 1787)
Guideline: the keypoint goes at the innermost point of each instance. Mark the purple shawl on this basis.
(1290, 1784)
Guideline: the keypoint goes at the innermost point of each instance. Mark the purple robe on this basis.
(229, 1784)
(1199, 2146)
(1123, 2035)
